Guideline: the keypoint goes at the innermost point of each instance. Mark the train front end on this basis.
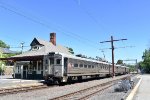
(54, 68)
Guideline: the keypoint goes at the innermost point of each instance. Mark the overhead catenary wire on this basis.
(19, 47)
(73, 35)
(90, 15)
(117, 47)
(112, 48)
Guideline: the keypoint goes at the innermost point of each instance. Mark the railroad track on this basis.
(87, 92)
(21, 89)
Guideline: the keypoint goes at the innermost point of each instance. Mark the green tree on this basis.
(2, 63)
(145, 64)
(70, 50)
(2, 67)
(120, 62)
(132, 68)
(3, 44)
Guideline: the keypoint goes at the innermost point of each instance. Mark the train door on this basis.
(51, 67)
(65, 66)
(58, 66)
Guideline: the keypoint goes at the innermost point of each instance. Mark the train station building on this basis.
(34, 63)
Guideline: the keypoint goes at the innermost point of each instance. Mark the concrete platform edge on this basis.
(131, 95)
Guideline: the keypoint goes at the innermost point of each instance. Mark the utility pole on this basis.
(112, 48)
(103, 53)
(22, 45)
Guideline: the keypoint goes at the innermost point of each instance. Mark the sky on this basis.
(79, 24)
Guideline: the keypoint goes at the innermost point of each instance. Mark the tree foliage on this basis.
(3, 63)
(120, 62)
(132, 68)
(70, 50)
(2, 67)
(3, 44)
(145, 64)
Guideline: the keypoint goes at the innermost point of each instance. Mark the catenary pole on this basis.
(112, 48)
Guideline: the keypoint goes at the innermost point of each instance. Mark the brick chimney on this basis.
(53, 38)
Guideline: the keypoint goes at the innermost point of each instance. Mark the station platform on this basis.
(143, 91)
(7, 81)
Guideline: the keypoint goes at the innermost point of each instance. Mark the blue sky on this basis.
(80, 24)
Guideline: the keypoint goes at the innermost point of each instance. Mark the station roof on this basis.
(25, 58)
(45, 48)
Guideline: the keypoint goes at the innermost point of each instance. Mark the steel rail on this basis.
(102, 85)
(20, 89)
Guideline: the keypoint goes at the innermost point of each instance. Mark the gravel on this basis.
(51, 92)
(110, 94)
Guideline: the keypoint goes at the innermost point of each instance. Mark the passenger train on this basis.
(63, 68)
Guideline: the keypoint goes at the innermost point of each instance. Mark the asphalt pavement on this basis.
(7, 81)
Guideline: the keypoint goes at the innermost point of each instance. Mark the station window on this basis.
(39, 65)
(58, 61)
(81, 65)
(75, 65)
(85, 66)
(38, 68)
(18, 69)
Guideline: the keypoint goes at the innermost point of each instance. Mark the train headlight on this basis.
(46, 72)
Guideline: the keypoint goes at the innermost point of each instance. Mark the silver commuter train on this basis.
(63, 68)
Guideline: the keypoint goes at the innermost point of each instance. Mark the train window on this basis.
(81, 65)
(103, 67)
(100, 65)
(92, 66)
(89, 66)
(58, 61)
(46, 67)
(75, 65)
(85, 66)
(46, 61)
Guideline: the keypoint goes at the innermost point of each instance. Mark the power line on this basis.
(90, 15)
(20, 47)
(73, 35)
(117, 47)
